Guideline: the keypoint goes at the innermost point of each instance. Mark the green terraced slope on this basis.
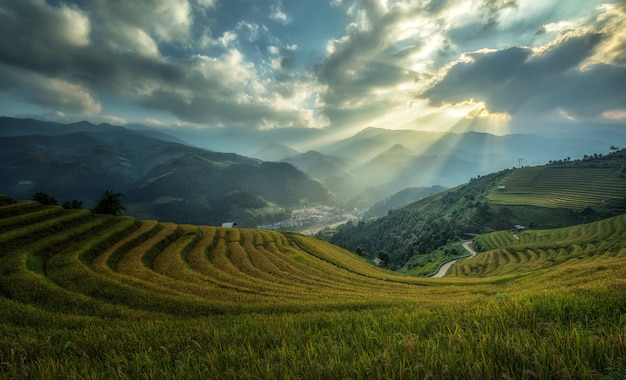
(560, 186)
(508, 253)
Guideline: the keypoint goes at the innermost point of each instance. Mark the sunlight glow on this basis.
(565, 115)
(617, 114)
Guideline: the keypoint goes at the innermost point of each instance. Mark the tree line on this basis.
(109, 203)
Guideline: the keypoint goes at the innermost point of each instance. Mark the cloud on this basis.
(33, 33)
(228, 91)
(121, 51)
(368, 58)
(612, 24)
(258, 65)
(56, 94)
(527, 82)
(278, 14)
(164, 20)
(491, 10)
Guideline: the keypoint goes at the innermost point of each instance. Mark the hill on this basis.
(274, 152)
(381, 162)
(400, 199)
(559, 194)
(161, 178)
(332, 171)
(507, 253)
(97, 296)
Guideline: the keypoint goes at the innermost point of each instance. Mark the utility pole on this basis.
(520, 160)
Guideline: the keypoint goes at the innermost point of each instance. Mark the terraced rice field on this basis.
(562, 187)
(508, 253)
(86, 296)
(74, 257)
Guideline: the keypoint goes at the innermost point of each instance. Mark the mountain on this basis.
(564, 193)
(382, 162)
(334, 172)
(160, 177)
(400, 199)
(210, 188)
(274, 152)
(21, 127)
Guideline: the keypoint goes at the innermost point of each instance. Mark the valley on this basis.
(311, 220)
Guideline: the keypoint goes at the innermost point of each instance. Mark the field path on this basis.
(445, 267)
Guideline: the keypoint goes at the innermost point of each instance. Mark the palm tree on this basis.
(110, 203)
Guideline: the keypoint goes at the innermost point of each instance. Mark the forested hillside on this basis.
(561, 193)
(161, 177)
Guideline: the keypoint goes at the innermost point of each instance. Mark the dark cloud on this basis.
(278, 63)
(364, 61)
(491, 11)
(514, 81)
(39, 37)
(65, 58)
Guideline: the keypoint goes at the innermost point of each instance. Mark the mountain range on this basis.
(161, 177)
(376, 163)
(165, 178)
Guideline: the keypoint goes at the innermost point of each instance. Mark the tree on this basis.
(73, 205)
(110, 203)
(44, 199)
(382, 255)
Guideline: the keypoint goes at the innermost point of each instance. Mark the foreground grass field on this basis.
(94, 296)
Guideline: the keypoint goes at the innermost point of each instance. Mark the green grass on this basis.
(94, 296)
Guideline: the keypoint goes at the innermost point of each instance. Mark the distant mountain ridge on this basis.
(359, 171)
(274, 152)
(161, 178)
(375, 163)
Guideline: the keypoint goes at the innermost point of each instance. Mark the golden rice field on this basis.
(558, 186)
(101, 297)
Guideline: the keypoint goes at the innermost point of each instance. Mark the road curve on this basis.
(443, 270)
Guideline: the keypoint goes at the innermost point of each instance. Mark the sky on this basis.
(315, 67)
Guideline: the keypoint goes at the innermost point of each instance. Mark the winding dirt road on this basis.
(443, 270)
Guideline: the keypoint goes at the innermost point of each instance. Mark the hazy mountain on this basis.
(383, 161)
(20, 127)
(489, 152)
(274, 152)
(400, 199)
(161, 179)
(360, 170)
(398, 168)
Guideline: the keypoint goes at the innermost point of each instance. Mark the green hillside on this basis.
(560, 194)
(96, 296)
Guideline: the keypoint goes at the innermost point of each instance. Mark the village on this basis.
(309, 220)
